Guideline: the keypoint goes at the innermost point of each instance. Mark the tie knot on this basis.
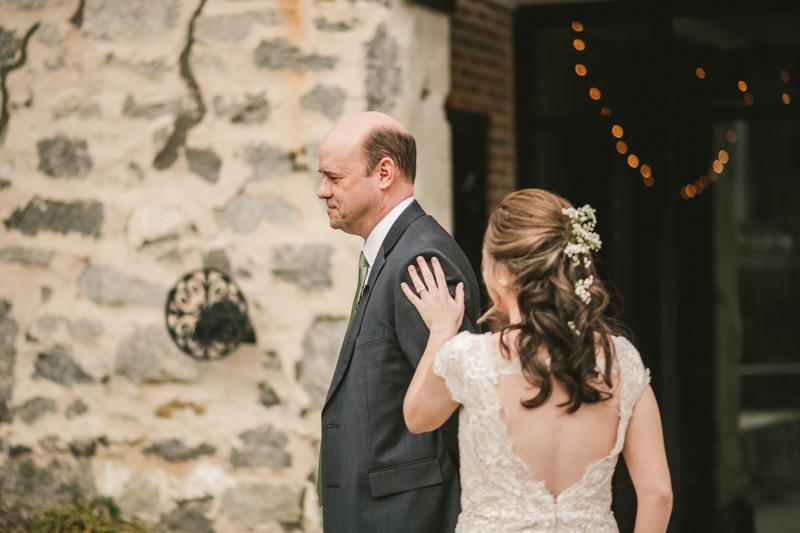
(362, 261)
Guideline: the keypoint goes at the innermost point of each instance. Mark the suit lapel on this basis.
(411, 213)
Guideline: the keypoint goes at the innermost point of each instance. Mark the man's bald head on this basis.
(380, 136)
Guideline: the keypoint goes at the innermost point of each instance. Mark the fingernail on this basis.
(435, 259)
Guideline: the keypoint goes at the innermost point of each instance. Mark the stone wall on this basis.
(482, 70)
(142, 139)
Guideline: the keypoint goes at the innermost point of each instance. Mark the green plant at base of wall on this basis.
(101, 515)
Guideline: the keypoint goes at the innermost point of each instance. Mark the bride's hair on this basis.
(528, 234)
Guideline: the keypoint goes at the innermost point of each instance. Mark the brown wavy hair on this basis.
(528, 234)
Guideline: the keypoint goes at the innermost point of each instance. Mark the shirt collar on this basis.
(379, 232)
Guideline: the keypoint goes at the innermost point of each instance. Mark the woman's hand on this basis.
(431, 297)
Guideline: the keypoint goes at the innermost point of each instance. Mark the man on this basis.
(376, 476)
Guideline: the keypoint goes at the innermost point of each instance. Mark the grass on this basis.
(101, 515)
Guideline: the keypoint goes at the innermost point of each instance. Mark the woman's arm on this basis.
(647, 464)
(428, 403)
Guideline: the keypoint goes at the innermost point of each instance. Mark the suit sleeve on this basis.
(412, 333)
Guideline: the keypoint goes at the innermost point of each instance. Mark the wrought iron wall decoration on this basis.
(206, 315)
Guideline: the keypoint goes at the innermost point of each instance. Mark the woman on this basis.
(550, 400)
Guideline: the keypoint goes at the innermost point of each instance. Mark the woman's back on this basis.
(555, 445)
(537, 469)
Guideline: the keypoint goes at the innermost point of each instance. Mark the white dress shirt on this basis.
(379, 232)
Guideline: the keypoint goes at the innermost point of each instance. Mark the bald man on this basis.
(376, 476)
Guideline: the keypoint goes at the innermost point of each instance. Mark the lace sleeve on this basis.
(636, 376)
(449, 365)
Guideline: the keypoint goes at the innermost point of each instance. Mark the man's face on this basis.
(348, 193)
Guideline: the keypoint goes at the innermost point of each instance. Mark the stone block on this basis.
(243, 213)
(383, 84)
(175, 451)
(108, 287)
(48, 35)
(217, 259)
(46, 325)
(280, 53)
(129, 20)
(83, 447)
(35, 408)
(8, 356)
(140, 497)
(264, 446)
(204, 163)
(24, 4)
(325, 25)
(8, 46)
(76, 408)
(308, 266)
(234, 27)
(61, 157)
(150, 111)
(253, 110)
(153, 223)
(26, 256)
(188, 521)
(320, 353)
(267, 161)
(149, 356)
(59, 367)
(25, 484)
(59, 217)
(324, 99)
(267, 395)
(249, 505)
(84, 330)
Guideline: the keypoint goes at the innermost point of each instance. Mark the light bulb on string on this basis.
(594, 93)
(622, 147)
(580, 70)
(742, 86)
(579, 44)
(617, 132)
(633, 161)
(646, 172)
(784, 76)
(701, 73)
(717, 166)
(731, 136)
(577, 26)
(723, 157)
(748, 99)
(786, 99)
(606, 112)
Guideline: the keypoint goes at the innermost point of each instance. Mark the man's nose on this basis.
(323, 191)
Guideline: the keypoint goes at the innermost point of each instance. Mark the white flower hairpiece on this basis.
(582, 242)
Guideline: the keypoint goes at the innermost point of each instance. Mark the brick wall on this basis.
(483, 82)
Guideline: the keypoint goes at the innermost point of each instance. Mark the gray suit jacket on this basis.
(377, 477)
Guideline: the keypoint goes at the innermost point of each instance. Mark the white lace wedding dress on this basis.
(498, 492)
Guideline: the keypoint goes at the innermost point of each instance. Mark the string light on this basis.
(700, 73)
(594, 94)
(742, 86)
(784, 76)
(786, 99)
(748, 99)
(705, 181)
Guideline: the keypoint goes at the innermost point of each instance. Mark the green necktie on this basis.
(363, 267)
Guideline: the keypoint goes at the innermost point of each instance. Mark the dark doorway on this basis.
(631, 107)
(470, 134)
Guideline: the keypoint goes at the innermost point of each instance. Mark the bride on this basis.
(550, 400)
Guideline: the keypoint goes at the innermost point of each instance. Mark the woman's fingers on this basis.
(411, 295)
(441, 280)
(418, 284)
(430, 282)
(460, 295)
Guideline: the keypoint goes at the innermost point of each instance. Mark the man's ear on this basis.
(387, 173)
